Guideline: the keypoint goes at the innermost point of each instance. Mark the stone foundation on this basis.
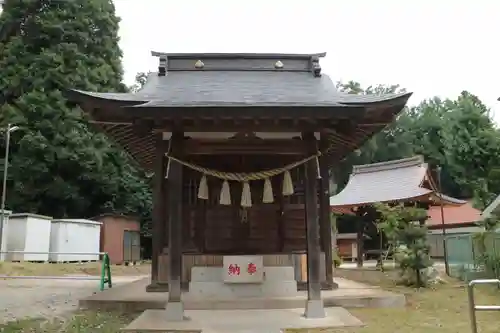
(208, 282)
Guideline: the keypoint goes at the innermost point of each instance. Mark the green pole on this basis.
(105, 273)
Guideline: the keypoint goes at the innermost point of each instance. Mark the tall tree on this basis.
(60, 166)
(140, 81)
(391, 143)
(458, 135)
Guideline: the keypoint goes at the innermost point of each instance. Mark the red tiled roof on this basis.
(453, 215)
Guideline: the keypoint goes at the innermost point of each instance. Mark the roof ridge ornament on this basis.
(162, 68)
(199, 64)
(315, 67)
(278, 64)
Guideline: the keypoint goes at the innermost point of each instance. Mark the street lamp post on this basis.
(10, 129)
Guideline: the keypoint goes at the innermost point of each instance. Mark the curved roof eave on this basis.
(350, 102)
(390, 181)
(165, 103)
(82, 96)
(447, 200)
(349, 204)
(367, 100)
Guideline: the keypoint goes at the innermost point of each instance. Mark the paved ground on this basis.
(45, 298)
(242, 321)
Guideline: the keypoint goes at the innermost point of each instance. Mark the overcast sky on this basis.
(430, 47)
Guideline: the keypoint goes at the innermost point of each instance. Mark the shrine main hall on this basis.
(241, 147)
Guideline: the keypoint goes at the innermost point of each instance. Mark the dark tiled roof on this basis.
(239, 80)
(257, 85)
(390, 181)
(245, 88)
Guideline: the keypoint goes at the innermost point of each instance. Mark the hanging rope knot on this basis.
(245, 178)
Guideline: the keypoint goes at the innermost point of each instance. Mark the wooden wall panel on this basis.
(226, 233)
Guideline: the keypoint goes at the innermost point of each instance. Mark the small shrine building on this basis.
(240, 146)
(408, 181)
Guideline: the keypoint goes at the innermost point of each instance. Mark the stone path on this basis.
(21, 299)
(241, 321)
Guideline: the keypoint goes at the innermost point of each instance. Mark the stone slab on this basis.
(314, 309)
(241, 321)
(211, 282)
(133, 297)
(215, 274)
(221, 290)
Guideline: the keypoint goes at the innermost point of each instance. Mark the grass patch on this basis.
(441, 309)
(80, 322)
(61, 269)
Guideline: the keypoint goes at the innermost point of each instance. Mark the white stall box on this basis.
(78, 236)
(28, 233)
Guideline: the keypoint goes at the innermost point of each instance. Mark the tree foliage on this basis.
(457, 134)
(408, 238)
(59, 165)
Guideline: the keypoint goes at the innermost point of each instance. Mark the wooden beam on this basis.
(360, 240)
(314, 307)
(255, 123)
(281, 214)
(325, 224)
(248, 124)
(126, 113)
(158, 221)
(241, 147)
(175, 309)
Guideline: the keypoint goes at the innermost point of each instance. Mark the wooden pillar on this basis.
(360, 229)
(158, 234)
(281, 215)
(325, 224)
(175, 308)
(314, 306)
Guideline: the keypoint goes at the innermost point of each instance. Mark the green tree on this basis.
(391, 143)
(405, 234)
(458, 135)
(59, 165)
(472, 148)
(140, 81)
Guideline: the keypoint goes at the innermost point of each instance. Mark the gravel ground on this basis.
(20, 299)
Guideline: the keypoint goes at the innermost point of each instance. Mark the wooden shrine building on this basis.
(240, 146)
(408, 181)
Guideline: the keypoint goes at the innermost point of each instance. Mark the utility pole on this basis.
(443, 224)
(10, 129)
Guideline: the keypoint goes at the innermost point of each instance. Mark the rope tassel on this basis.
(246, 196)
(287, 183)
(203, 188)
(267, 196)
(225, 194)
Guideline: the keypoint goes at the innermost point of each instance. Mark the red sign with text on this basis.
(234, 270)
(252, 268)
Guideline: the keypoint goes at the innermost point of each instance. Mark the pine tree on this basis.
(59, 165)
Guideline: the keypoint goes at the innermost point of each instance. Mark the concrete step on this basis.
(221, 290)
